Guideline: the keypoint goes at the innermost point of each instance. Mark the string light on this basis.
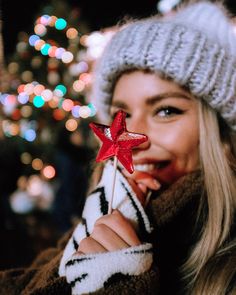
(40, 30)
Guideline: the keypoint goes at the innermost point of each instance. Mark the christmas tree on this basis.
(44, 111)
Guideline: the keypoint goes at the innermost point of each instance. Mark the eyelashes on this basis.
(167, 111)
(162, 112)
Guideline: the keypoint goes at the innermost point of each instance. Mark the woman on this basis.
(176, 80)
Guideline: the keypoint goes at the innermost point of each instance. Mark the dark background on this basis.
(20, 15)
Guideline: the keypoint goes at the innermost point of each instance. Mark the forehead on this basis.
(141, 85)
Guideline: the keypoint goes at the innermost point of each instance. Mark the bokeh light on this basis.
(84, 112)
(13, 68)
(38, 44)
(38, 101)
(38, 89)
(86, 78)
(33, 39)
(45, 49)
(29, 88)
(92, 109)
(60, 24)
(53, 19)
(30, 135)
(34, 187)
(60, 90)
(40, 30)
(36, 62)
(27, 76)
(16, 115)
(71, 33)
(52, 51)
(47, 94)
(59, 52)
(75, 111)
(67, 105)
(49, 172)
(45, 19)
(71, 125)
(53, 104)
(78, 85)
(26, 111)
(53, 78)
(21, 88)
(23, 98)
(37, 164)
(58, 114)
(67, 57)
(14, 129)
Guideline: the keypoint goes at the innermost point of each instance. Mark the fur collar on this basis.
(165, 206)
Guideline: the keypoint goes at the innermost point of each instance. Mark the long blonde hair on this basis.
(217, 156)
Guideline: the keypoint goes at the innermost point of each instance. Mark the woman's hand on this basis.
(142, 183)
(111, 232)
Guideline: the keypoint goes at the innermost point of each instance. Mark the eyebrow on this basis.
(153, 99)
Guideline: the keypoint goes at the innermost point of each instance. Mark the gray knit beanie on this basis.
(196, 47)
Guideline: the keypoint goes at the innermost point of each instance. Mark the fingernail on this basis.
(156, 184)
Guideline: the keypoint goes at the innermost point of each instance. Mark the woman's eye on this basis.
(167, 111)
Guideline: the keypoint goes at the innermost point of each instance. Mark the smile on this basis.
(151, 167)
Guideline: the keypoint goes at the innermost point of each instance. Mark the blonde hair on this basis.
(217, 158)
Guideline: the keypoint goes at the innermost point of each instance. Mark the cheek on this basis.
(181, 139)
(185, 152)
(181, 145)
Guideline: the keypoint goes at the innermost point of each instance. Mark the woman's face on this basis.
(168, 115)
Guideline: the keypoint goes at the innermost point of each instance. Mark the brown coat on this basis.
(173, 216)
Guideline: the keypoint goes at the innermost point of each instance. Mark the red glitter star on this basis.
(117, 141)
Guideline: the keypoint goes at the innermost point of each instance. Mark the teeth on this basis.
(151, 167)
(145, 167)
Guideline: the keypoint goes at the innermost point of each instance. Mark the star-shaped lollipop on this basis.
(117, 143)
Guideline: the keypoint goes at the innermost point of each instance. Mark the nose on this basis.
(139, 125)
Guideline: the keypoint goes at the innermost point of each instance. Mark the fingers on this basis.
(120, 226)
(144, 178)
(111, 233)
(106, 237)
(142, 183)
(90, 245)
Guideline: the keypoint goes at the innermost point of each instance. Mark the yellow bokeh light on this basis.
(37, 164)
(26, 111)
(26, 158)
